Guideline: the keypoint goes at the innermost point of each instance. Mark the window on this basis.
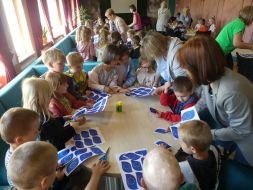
(19, 31)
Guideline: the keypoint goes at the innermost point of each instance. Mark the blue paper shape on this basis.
(71, 167)
(139, 177)
(96, 150)
(73, 148)
(131, 181)
(85, 156)
(79, 144)
(163, 143)
(142, 160)
(88, 142)
(162, 131)
(136, 165)
(174, 131)
(96, 140)
(77, 137)
(142, 152)
(126, 167)
(81, 151)
(63, 153)
(132, 156)
(85, 134)
(66, 159)
(188, 115)
(93, 132)
(123, 157)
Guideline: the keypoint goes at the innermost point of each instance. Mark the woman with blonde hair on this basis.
(231, 35)
(163, 17)
(36, 94)
(185, 17)
(163, 50)
(103, 41)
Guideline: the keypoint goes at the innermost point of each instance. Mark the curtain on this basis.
(69, 9)
(6, 55)
(33, 11)
(46, 15)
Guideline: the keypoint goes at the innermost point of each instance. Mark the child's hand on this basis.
(79, 121)
(167, 86)
(124, 86)
(67, 117)
(59, 174)
(158, 113)
(122, 90)
(158, 90)
(100, 167)
(163, 146)
(88, 93)
(91, 101)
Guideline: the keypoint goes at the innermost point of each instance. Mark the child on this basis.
(54, 59)
(201, 166)
(125, 70)
(141, 34)
(135, 52)
(84, 43)
(182, 98)
(162, 172)
(17, 126)
(212, 27)
(62, 103)
(103, 41)
(104, 76)
(145, 74)
(115, 38)
(180, 30)
(36, 95)
(201, 26)
(33, 165)
(80, 78)
(130, 35)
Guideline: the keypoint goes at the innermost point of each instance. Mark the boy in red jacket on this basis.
(182, 98)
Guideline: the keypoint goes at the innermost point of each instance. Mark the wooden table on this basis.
(241, 51)
(130, 130)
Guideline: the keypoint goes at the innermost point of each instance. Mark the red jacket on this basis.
(58, 109)
(172, 102)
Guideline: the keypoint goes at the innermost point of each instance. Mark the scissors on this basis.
(104, 157)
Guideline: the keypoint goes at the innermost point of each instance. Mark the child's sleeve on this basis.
(57, 109)
(131, 76)
(170, 116)
(75, 103)
(114, 80)
(167, 100)
(93, 82)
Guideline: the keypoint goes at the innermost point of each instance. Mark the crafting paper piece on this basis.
(130, 164)
(162, 130)
(174, 130)
(88, 137)
(153, 110)
(97, 107)
(141, 92)
(247, 55)
(160, 142)
(82, 155)
(98, 95)
(189, 114)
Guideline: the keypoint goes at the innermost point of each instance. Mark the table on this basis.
(130, 130)
(241, 51)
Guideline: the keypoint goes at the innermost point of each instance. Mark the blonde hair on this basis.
(164, 5)
(30, 162)
(36, 94)
(109, 12)
(246, 14)
(103, 37)
(55, 79)
(131, 32)
(83, 33)
(161, 170)
(74, 58)
(196, 133)
(152, 66)
(186, 11)
(17, 122)
(52, 55)
(155, 45)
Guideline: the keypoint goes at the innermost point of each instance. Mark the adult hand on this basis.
(100, 167)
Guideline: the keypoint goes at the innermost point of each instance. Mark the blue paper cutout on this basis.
(63, 153)
(142, 160)
(77, 137)
(73, 148)
(162, 143)
(132, 156)
(96, 140)
(88, 142)
(174, 131)
(141, 92)
(66, 159)
(126, 167)
(139, 177)
(142, 152)
(188, 115)
(96, 150)
(79, 144)
(81, 151)
(123, 157)
(131, 181)
(84, 134)
(136, 165)
(85, 156)
(93, 132)
(72, 165)
(162, 131)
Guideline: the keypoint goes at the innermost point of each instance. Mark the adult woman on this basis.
(136, 24)
(231, 35)
(228, 95)
(117, 24)
(163, 17)
(163, 50)
(185, 17)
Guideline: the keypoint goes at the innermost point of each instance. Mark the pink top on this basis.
(138, 25)
(86, 49)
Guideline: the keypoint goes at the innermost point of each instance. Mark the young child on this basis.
(130, 35)
(80, 78)
(201, 26)
(36, 165)
(212, 27)
(135, 52)
(84, 43)
(62, 103)
(161, 171)
(115, 38)
(180, 29)
(141, 34)
(36, 94)
(182, 98)
(17, 126)
(125, 70)
(103, 41)
(104, 76)
(201, 166)
(145, 74)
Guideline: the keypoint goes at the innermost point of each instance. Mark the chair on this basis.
(245, 66)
